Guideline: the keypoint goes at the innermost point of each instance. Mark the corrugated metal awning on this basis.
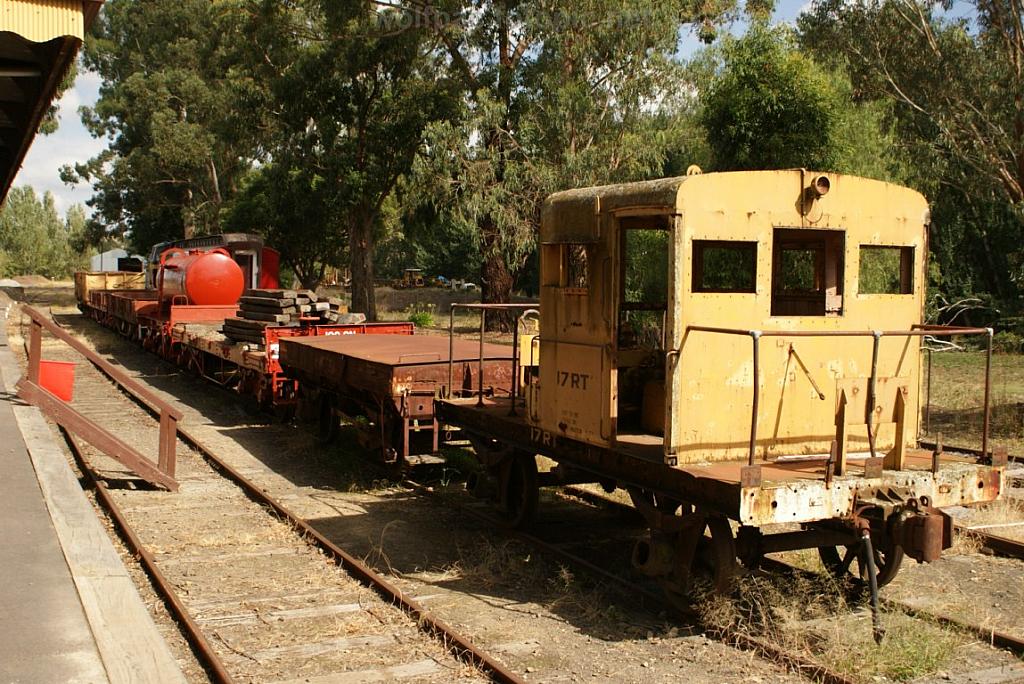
(38, 43)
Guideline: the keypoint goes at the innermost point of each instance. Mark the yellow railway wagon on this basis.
(87, 282)
(635, 276)
(737, 346)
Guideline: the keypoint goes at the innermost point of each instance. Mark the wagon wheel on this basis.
(888, 559)
(285, 413)
(518, 493)
(328, 421)
(705, 556)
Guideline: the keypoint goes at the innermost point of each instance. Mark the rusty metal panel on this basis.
(401, 350)
(393, 365)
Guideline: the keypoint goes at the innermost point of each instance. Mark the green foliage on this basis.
(879, 270)
(167, 106)
(422, 315)
(34, 240)
(768, 106)
(1007, 342)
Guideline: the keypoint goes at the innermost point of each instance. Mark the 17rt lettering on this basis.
(573, 380)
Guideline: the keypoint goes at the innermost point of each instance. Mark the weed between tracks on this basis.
(508, 564)
(810, 616)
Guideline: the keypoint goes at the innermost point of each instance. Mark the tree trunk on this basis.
(188, 215)
(360, 243)
(495, 279)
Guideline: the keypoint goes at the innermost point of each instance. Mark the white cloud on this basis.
(69, 145)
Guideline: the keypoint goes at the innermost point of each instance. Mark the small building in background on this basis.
(116, 260)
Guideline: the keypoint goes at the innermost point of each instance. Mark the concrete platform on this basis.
(69, 611)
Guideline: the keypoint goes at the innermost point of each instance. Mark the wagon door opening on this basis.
(643, 301)
(807, 272)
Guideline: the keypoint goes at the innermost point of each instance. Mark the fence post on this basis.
(35, 348)
(168, 443)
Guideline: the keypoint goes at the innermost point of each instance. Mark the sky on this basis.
(69, 145)
(72, 144)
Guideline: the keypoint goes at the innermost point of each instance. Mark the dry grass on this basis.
(507, 564)
(1005, 510)
(958, 384)
(809, 615)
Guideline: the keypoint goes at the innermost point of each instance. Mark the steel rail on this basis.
(455, 642)
(997, 544)
(207, 656)
(452, 640)
(769, 651)
(993, 636)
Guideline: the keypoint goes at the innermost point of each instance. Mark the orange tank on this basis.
(206, 278)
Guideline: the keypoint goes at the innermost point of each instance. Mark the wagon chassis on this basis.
(875, 512)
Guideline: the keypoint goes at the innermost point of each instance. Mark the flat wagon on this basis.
(388, 384)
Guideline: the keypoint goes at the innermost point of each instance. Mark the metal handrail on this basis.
(876, 336)
(483, 309)
(29, 388)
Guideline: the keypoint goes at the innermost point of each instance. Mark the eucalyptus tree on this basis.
(956, 86)
(765, 104)
(552, 96)
(345, 104)
(171, 162)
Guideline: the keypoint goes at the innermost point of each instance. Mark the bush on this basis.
(421, 315)
(1007, 342)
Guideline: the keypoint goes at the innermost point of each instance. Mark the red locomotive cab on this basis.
(270, 269)
(203, 278)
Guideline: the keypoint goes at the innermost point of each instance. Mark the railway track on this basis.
(998, 638)
(261, 595)
(737, 639)
(712, 661)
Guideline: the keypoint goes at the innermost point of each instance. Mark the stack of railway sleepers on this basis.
(258, 309)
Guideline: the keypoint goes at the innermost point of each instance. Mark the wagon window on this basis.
(807, 272)
(886, 270)
(643, 295)
(724, 266)
(645, 280)
(566, 266)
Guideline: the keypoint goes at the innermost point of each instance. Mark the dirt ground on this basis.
(548, 622)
